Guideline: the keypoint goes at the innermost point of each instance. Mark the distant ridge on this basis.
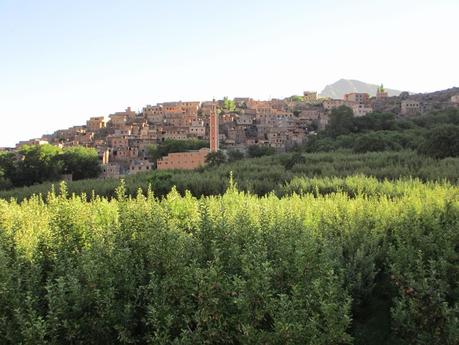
(341, 87)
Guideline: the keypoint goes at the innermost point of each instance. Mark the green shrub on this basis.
(315, 267)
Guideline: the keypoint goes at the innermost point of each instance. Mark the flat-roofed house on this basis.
(183, 160)
(410, 107)
(357, 97)
(310, 96)
(139, 165)
(95, 124)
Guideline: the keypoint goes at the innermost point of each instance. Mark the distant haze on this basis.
(343, 86)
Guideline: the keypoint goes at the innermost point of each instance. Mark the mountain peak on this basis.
(343, 86)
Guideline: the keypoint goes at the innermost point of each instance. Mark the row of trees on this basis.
(266, 174)
(435, 135)
(40, 163)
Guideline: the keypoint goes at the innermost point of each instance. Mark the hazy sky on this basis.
(64, 61)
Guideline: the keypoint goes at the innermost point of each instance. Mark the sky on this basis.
(62, 62)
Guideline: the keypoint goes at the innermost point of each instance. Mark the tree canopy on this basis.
(434, 134)
(229, 104)
(441, 142)
(215, 158)
(38, 163)
(81, 162)
(34, 164)
(341, 121)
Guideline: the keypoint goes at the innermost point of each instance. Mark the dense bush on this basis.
(234, 269)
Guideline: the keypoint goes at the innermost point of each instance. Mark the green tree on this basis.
(153, 152)
(235, 155)
(259, 151)
(296, 98)
(8, 166)
(81, 162)
(341, 122)
(376, 122)
(229, 104)
(215, 158)
(296, 158)
(373, 142)
(161, 181)
(441, 142)
(5, 183)
(39, 163)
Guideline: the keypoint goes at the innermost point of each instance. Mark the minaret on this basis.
(380, 92)
(213, 135)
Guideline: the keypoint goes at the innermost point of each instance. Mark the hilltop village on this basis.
(123, 139)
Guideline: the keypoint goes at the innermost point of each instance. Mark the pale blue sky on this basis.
(64, 61)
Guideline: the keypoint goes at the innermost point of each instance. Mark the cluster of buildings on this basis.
(124, 138)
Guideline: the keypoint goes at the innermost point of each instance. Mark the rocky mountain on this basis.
(341, 87)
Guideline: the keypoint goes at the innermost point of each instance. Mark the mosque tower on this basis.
(213, 128)
(381, 93)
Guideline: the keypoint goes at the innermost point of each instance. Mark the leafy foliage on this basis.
(215, 158)
(233, 269)
(296, 158)
(441, 142)
(229, 104)
(373, 142)
(434, 134)
(259, 151)
(266, 174)
(39, 163)
(296, 98)
(235, 155)
(341, 122)
(81, 162)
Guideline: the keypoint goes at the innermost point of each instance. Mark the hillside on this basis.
(441, 96)
(341, 87)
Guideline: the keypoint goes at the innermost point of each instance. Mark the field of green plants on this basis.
(333, 261)
(266, 174)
